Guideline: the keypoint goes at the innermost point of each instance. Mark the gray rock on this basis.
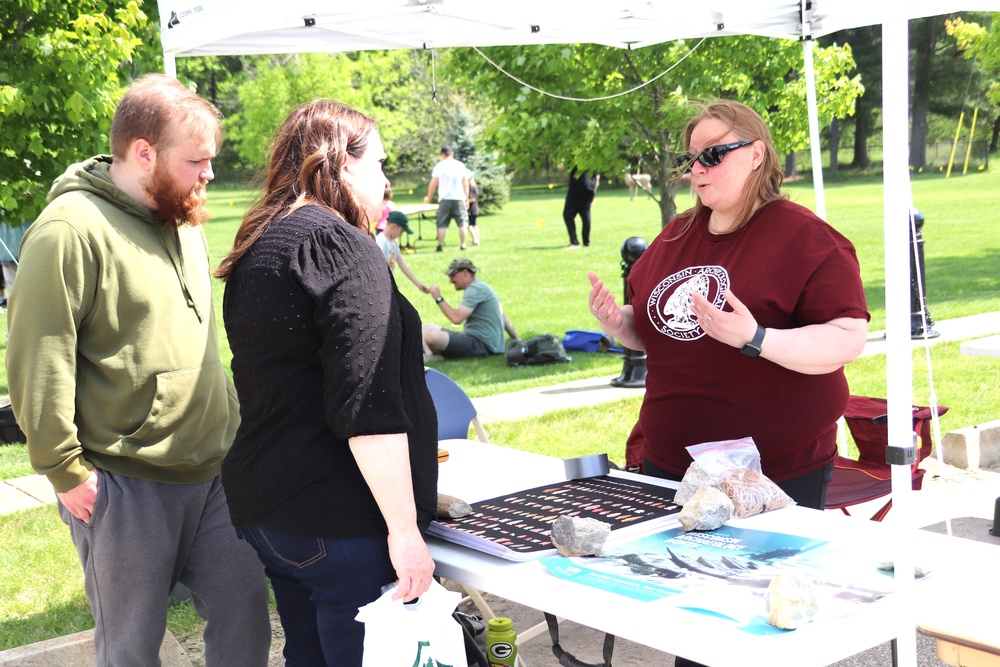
(574, 536)
(695, 477)
(708, 509)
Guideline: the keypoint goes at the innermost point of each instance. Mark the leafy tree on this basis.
(866, 47)
(215, 78)
(389, 85)
(980, 41)
(943, 82)
(60, 81)
(644, 127)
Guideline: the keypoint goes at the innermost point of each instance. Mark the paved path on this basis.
(32, 491)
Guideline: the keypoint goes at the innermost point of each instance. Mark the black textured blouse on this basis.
(325, 348)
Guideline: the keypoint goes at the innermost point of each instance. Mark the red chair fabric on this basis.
(869, 478)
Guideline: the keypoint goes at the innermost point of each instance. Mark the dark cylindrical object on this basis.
(918, 288)
(996, 519)
(634, 366)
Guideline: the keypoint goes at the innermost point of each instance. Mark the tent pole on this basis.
(814, 139)
(169, 64)
(899, 366)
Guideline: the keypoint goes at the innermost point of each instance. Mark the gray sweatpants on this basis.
(144, 537)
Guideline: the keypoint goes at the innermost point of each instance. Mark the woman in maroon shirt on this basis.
(747, 306)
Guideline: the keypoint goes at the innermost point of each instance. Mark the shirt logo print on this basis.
(669, 305)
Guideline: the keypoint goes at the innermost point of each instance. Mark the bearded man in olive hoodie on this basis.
(115, 378)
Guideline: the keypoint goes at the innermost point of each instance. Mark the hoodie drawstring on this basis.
(181, 271)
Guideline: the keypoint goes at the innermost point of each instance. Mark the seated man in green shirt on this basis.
(480, 312)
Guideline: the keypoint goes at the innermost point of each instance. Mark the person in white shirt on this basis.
(388, 242)
(450, 179)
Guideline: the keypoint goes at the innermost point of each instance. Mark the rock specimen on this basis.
(695, 477)
(450, 507)
(708, 509)
(790, 601)
(574, 536)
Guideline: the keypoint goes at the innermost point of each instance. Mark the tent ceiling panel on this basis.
(220, 27)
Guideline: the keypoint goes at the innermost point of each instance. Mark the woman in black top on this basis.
(333, 473)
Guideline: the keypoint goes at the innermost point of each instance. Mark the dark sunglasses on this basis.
(710, 157)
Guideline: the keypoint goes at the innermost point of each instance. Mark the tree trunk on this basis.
(791, 165)
(668, 184)
(861, 160)
(995, 138)
(922, 38)
(834, 144)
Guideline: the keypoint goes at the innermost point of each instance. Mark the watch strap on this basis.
(752, 349)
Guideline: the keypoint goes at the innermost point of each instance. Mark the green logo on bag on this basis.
(431, 662)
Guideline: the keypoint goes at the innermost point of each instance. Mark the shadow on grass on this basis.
(955, 283)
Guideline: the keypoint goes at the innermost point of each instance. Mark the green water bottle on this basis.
(501, 642)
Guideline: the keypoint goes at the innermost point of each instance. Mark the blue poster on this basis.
(724, 572)
(670, 562)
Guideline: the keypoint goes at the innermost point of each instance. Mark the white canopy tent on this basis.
(230, 27)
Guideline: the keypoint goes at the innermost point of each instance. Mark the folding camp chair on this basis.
(870, 477)
(455, 410)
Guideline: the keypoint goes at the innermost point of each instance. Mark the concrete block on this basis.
(13, 499)
(973, 446)
(37, 486)
(77, 650)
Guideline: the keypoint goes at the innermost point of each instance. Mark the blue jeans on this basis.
(319, 584)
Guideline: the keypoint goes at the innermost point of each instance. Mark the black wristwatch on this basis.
(438, 299)
(752, 349)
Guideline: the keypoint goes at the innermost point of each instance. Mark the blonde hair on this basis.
(764, 184)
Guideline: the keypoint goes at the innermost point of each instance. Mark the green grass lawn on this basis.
(544, 286)
(544, 290)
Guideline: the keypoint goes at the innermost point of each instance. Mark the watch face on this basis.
(750, 350)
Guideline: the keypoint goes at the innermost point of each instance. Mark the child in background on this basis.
(388, 242)
(387, 207)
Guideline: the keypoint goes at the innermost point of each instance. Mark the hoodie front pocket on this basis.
(190, 407)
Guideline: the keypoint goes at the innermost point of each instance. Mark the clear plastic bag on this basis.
(734, 467)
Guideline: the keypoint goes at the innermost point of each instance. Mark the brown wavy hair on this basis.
(764, 184)
(305, 162)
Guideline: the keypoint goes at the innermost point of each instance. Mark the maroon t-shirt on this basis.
(790, 269)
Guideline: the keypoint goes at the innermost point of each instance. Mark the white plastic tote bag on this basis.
(422, 634)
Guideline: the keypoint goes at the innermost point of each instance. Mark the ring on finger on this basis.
(709, 320)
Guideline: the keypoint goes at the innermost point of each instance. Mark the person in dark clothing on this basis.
(579, 197)
(333, 474)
